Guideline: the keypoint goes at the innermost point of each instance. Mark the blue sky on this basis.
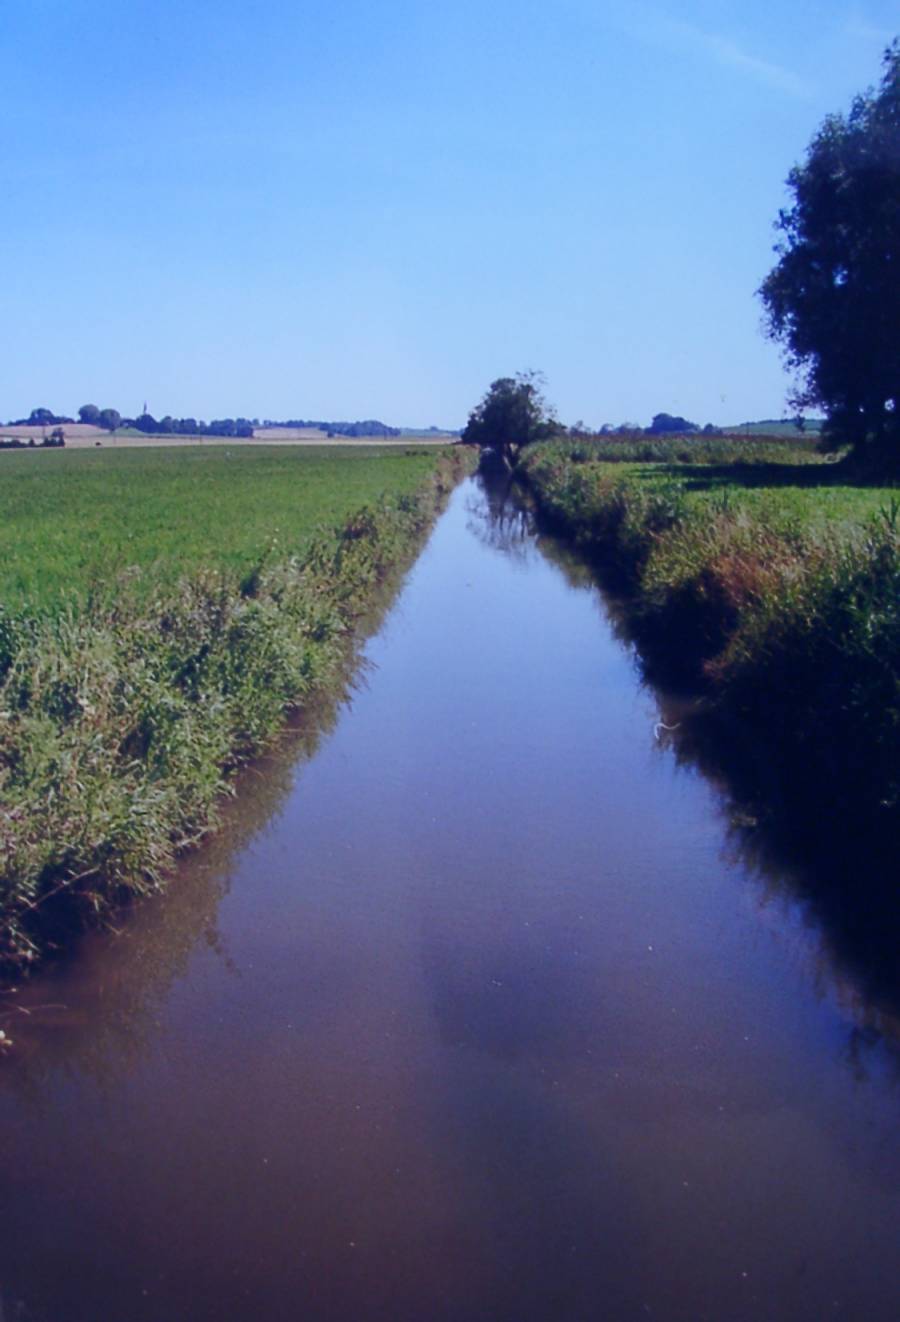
(357, 209)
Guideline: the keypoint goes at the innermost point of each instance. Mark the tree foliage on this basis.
(670, 422)
(833, 299)
(110, 419)
(512, 414)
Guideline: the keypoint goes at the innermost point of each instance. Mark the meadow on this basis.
(161, 613)
(73, 523)
(766, 579)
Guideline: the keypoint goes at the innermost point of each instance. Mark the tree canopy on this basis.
(833, 299)
(109, 418)
(670, 422)
(512, 414)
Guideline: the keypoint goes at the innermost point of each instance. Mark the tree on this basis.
(90, 414)
(512, 414)
(833, 299)
(668, 422)
(109, 419)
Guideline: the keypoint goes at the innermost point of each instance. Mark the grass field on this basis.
(74, 521)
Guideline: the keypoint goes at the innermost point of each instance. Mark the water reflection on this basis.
(97, 1012)
(843, 890)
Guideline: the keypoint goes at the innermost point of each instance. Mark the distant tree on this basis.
(512, 414)
(668, 422)
(41, 418)
(146, 422)
(109, 419)
(833, 299)
(89, 414)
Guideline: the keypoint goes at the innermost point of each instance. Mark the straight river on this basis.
(482, 1011)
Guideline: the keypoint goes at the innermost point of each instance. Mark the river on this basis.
(478, 1009)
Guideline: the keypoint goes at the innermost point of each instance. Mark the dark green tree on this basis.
(110, 419)
(90, 414)
(670, 422)
(512, 414)
(833, 299)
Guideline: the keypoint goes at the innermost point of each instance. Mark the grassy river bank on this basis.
(768, 581)
(162, 616)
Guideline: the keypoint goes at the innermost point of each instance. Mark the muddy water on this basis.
(479, 1012)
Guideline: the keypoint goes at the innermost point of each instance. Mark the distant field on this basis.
(781, 428)
(82, 436)
(76, 520)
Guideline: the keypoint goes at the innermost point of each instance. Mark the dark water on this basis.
(483, 1011)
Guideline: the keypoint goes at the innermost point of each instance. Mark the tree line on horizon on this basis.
(111, 420)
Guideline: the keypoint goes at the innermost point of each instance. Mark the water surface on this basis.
(477, 1013)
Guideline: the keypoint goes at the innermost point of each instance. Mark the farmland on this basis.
(73, 522)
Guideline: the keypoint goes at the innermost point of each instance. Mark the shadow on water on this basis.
(841, 881)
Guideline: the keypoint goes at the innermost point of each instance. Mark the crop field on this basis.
(74, 522)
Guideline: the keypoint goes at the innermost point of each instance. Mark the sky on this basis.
(338, 209)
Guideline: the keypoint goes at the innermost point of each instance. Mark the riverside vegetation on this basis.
(769, 580)
(161, 614)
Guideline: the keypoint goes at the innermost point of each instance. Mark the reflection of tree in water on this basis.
(97, 1012)
(497, 516)
(844, 884)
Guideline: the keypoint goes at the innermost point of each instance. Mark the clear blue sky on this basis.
(341, 208)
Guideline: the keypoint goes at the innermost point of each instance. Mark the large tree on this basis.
(513, 413)
(833, 299)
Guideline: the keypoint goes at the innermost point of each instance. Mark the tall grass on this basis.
(122, 719)
(637, 447)
(786, 615)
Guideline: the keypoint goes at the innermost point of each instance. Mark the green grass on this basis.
(773, 586)
(75, 521)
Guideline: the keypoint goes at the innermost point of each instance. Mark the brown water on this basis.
(479, 1012)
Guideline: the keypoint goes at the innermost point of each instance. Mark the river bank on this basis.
(124, 715)
(772, 591)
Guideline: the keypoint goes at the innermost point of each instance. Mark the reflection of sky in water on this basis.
(485, 1023)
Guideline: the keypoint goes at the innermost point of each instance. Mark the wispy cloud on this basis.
(651, 24)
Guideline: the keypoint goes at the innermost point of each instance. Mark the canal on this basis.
(481, 1008)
